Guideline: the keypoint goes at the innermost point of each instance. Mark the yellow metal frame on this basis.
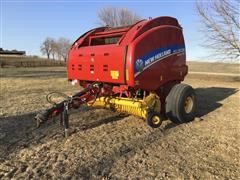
(138, 107)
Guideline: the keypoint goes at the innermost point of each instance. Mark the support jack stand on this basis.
(65, 118)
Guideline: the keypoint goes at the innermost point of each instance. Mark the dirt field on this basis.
(109, 145)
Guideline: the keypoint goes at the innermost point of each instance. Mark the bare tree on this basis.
(46, 47)
(55, 48)
(63, 47)
(115, 17)
(220, 20)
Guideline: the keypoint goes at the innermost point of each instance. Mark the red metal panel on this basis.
(97, 63)
(158, 43)
(169, 68)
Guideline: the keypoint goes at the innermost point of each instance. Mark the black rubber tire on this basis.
(175, 104)
(150, 119)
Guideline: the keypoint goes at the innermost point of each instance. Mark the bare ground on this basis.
(105, 144)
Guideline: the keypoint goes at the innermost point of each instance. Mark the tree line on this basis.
(56, 49)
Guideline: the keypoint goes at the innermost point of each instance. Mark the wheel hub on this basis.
(156, 120)
(188, 105)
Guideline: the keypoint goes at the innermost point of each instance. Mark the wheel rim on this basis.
(156, 120)
(188, 105)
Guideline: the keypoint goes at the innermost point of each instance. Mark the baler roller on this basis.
(126, 105)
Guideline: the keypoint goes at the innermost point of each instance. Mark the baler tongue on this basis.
(88, 94)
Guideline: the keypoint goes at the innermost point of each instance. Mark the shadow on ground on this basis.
(208, 99)
(18, 132)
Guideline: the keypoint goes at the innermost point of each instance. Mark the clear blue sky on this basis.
(25, 24)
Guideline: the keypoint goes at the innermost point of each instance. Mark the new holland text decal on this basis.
(156, 55)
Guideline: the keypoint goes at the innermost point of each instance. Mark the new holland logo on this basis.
(139, 65)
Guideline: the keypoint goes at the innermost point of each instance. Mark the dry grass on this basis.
(104, 144)
(215, 67)
(24, 89)
(26, 61)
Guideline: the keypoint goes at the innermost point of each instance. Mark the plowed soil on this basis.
(109, 145)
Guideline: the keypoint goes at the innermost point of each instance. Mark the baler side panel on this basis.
(159, 57)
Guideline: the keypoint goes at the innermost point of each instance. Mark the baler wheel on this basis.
(154, 119)
(181, 104)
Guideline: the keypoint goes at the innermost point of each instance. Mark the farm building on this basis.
(12, 52)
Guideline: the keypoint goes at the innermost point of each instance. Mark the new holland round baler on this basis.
(136, 69)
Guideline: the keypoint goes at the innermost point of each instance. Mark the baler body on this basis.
(143, 56)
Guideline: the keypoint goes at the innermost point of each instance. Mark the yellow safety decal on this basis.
(127, 76)
(114, 74)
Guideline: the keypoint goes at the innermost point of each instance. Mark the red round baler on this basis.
(136, 69)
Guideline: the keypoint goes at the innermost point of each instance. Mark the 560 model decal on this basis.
(150, 58)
